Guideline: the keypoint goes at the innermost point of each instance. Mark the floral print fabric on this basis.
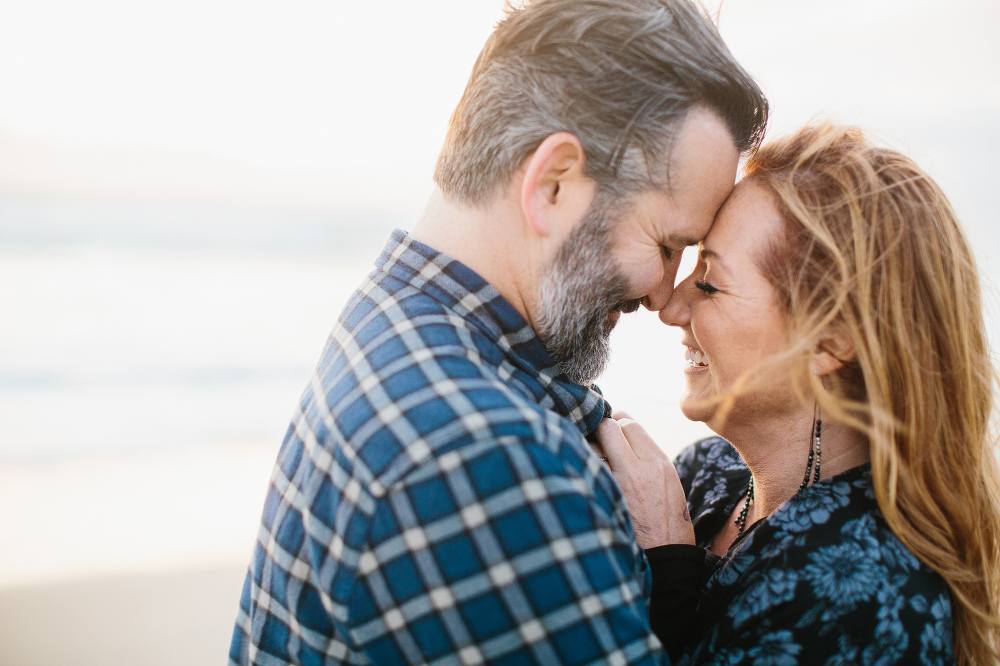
(821, 581)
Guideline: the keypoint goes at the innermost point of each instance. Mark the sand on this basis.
(131, 560)
(177, 617)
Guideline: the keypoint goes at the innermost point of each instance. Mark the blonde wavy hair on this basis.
(872, 248)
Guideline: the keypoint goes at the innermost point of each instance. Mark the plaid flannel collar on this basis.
(469, 296)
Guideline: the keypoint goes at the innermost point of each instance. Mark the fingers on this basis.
(679, 524)
(642, 444)
(633, 429)
(652, 491)
(599, 450)
(612, 441)
(627, 442)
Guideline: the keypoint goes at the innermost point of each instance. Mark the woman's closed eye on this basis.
(705, 286)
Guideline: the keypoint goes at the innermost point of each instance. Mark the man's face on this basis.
(615, 260)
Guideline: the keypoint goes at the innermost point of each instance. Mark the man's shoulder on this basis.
(386, 307)
(404, 377)
(388, 323)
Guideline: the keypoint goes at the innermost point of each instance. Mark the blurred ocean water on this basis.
(131, 327)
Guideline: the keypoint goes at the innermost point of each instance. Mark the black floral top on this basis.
(821, 581)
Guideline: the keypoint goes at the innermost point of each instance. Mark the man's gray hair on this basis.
(618, 74)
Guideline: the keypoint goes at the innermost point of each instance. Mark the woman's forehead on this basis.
(748, 218)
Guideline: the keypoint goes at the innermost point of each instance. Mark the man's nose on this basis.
(658, 296)
(676, 311)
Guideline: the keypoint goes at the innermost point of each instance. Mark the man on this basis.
(435, 499)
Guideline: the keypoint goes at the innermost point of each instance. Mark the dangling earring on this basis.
(815, 450)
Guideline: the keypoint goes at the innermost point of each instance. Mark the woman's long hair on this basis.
(872, 248)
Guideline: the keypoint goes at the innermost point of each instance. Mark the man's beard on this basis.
(582, 294)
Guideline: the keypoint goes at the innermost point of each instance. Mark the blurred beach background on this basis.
(189, 191)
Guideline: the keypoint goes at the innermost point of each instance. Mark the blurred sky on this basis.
(311, 86)
(347, 102)
(190, 190)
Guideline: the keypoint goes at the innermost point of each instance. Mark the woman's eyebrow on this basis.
(707, 253)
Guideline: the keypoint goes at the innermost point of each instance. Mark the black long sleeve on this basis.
(679, 572)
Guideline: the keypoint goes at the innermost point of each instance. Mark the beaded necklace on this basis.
(812, 470)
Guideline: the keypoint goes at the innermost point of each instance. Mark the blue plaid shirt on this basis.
(434, 500)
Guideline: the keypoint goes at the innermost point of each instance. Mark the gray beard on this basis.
(578, 294)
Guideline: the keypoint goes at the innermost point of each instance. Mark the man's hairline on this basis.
(661, 184)
(665, 187)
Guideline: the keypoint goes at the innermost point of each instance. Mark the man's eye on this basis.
(705, 287)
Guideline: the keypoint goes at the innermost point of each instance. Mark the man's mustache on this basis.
(628, 306)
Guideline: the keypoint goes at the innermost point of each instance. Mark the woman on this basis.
(835, 338)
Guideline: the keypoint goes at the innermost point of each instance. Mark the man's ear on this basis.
(833, 352)
(555, 192)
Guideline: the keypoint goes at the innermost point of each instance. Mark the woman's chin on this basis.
(698, 408)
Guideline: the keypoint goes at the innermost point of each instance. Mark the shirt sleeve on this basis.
(678, 573)
(503, 553)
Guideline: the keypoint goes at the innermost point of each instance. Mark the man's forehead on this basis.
(674, 225)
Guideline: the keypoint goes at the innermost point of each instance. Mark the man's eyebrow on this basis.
(683, 241)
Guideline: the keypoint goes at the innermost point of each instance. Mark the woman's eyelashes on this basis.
(705, 286)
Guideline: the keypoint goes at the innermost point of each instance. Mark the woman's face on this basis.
(729, 316)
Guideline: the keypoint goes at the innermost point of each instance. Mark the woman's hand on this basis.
(649, 482)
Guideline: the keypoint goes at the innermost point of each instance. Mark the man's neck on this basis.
(489, 240)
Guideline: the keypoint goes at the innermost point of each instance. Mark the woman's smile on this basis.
(697, 361)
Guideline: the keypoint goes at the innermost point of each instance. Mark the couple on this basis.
(438, 497)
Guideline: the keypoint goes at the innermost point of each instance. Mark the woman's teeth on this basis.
(696, 357)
